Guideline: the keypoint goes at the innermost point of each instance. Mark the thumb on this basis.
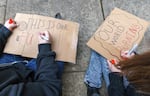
(14, 25)
(109, 64)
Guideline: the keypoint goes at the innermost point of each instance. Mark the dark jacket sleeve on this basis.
(116, 87)
(4, 34)
(45, 81)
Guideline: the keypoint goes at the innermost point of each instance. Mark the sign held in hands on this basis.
(120, 31)
(24, 40)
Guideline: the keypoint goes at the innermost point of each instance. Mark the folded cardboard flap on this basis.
(24, 40)
(120, 31)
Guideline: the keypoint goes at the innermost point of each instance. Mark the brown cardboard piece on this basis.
(120, 31)
(24, 40)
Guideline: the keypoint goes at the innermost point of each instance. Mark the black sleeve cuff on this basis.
(1, 25)
(6, 31)
(115, 78)
(44, 48)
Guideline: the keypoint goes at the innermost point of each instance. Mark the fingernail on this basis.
(11, 21)
(113, 61)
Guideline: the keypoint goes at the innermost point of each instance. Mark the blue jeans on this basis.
(9, 58)
(98, 68)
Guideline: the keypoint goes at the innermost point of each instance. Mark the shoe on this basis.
(58, 16)
(92, 91)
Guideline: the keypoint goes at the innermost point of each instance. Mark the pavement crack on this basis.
(102, 8)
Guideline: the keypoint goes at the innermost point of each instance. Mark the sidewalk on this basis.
(90, 14)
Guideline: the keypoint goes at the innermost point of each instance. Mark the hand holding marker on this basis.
(44, 37)
(113, 61)
(132, 49)
(58, 16)
(11, 21)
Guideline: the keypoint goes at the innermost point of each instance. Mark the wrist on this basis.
(8, 28)
(44, 42)
(44, 48)
(6, 31)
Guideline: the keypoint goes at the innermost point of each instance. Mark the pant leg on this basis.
(105, 71)
(125, 82)
(61, 68)
(93, 74)
(8, 58)
(32, 65)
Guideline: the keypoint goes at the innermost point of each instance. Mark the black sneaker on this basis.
(92, 91)
(58, 16)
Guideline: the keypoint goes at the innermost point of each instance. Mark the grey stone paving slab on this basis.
(86, 12)
(139, 8)
(73, 85)
(2, 10)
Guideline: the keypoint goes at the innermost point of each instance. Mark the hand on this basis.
(44, 37)
(10, 26)
(112, 67)
(125, 56)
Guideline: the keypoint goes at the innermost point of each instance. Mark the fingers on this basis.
(124, 55)
(112, 67)
(14, 25)
(44, 37)
(109, 64)
(10, 24)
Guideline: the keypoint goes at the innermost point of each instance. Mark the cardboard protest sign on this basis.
(24, 40)
(120, 31)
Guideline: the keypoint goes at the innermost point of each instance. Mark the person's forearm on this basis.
(4, 34)
(46, 65)
(116, 87)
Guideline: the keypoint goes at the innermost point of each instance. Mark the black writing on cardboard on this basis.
(39, 23)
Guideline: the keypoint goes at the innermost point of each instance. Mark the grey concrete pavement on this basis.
(2, 10)
(89, 13)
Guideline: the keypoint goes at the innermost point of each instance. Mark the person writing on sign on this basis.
(97, 70)
(35, 77)
(136, 69)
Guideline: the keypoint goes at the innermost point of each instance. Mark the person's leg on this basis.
(93, 74)
(9, 58)
(32, 65)
(125, 81)
(106, 71)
